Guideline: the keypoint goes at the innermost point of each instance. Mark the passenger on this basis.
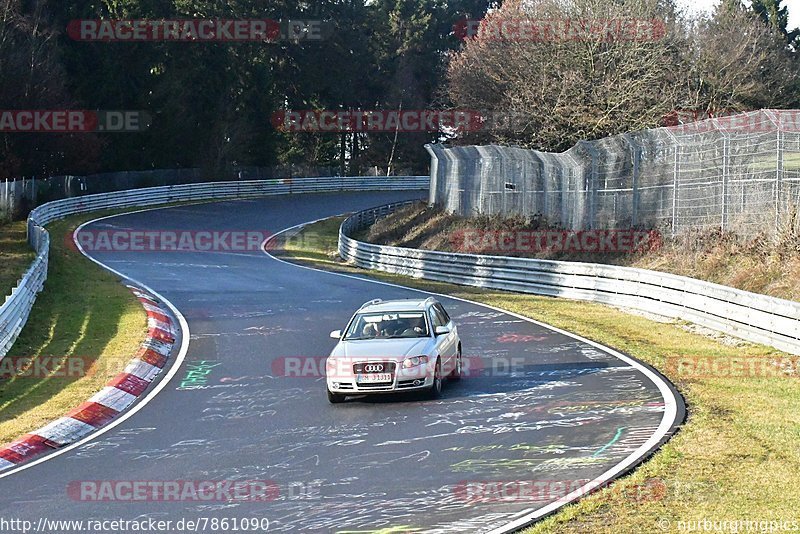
(370, 330)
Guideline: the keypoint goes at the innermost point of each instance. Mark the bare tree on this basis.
(596, 84)
(572, 86)
(737, 62)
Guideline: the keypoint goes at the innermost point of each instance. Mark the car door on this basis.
(444, 343)
(452, 337)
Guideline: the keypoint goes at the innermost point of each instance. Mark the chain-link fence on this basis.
(739, 172)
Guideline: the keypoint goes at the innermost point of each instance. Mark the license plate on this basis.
(373, 378)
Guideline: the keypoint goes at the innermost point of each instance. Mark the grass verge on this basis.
(84, 328)
(15, 255)
(736, 458)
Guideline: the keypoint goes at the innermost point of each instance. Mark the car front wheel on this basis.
(335, 398)
(436, 388)
(456, 374)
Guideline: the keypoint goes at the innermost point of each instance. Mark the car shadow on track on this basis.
(493, 380)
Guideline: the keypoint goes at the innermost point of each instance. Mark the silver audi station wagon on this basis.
(392, 346)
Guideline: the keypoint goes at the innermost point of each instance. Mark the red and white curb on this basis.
(114, 398)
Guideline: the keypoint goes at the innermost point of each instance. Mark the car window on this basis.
(435, 319)
(441, 313)
(387, 325)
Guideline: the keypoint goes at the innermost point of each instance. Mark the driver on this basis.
(416, 327)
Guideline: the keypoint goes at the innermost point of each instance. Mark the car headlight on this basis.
(414, 361)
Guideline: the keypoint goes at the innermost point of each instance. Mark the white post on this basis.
(675, 193)
(778, 170)
(726, 152)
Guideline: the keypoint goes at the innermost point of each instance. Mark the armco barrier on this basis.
(750, 316)
(17, 306)
(14, 311)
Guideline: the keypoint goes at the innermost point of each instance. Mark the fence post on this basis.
(543, 179)
(778, 171)
(726, 154)
(569, 198)
(590, 187)
(434, 187)
(637, 161)
(675, 192)
(776, 118)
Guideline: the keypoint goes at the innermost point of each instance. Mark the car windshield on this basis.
(387, 325)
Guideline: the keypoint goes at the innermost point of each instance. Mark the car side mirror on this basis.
(439, 330)
(336, 334)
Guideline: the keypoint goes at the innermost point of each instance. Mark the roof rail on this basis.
(426, 301)
(370, 303)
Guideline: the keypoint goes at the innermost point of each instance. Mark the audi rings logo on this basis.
(373, 368)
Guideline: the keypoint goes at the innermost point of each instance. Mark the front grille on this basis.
(374, 367)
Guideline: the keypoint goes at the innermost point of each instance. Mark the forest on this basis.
(212, 103)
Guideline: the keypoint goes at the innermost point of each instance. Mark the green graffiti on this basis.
(197, 374)
(610, 443)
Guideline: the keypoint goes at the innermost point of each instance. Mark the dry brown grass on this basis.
(768, 264)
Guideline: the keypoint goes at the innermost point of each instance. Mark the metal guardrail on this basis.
(17, 306)
(750, 316)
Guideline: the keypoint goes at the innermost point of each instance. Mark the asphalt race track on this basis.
(565, 413)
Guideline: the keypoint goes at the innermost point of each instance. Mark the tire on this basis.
(456, 374)
(435, 390)
(335, 398)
